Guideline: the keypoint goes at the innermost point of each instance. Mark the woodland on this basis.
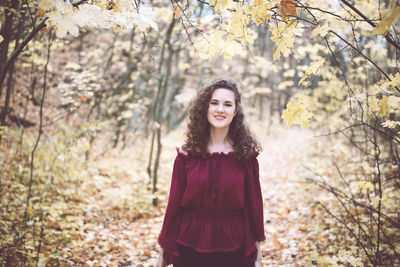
(94, 97)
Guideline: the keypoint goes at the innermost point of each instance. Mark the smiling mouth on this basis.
(219, 117)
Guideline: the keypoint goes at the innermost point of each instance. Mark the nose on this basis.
(220, 108)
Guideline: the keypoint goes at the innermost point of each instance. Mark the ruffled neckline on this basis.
(216, 154)
(209, 154)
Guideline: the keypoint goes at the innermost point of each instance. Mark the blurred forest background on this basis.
(94, 96)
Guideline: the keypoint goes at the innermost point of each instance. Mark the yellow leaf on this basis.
(259, 13)
(237, 23)
(29, 211)
(384, 26)
(277, 243)
(312, 70)
(117, 29)
(384, 107)
(222, 4)
(297, 113)
(365, 186)
(395, 80)
(1, 38)
(3, 130)
(283, 36)
(232, 48)
(373, 104)
(258, 2)
(53, 212)
(320, 31)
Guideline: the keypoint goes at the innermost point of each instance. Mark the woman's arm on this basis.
(172, 218)
(255, 201)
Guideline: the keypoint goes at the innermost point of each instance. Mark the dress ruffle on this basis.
(197, 228)
(209, 154)
(212, 154)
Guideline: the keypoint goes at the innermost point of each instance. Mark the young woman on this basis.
(214, 215)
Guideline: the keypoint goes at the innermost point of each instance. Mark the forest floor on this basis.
(121, 226)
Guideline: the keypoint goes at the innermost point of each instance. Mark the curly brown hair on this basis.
(243, 142)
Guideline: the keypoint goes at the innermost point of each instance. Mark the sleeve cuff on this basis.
(261, 238)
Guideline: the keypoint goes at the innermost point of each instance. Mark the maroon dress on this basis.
(215, 206)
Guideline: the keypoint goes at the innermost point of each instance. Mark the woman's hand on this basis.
(160, 260)
(258, 262)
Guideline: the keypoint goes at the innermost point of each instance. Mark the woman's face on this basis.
(221, 108)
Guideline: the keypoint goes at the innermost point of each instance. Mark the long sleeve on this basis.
(172, 219)
(253, 210)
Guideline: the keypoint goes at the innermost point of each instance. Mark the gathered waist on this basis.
(199, 214)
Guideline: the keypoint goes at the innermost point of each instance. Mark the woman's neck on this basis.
(218, 139)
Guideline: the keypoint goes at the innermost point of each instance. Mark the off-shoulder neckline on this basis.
(210, 154)
(220, 153)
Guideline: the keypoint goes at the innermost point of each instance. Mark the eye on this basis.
(213, 103)
(229, 105)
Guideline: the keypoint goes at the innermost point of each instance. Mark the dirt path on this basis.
(287, 208)
(114, 235)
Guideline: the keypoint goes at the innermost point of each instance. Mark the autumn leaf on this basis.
(373, 104)
(297, 113)
(1, 38)
(221, 4)
(283, 35)
(47, 4)
(287, 8)
(29, 211)
(222, 43)
(232, 48)
(237, 26)
(365, 186)
(3, 130)
(391, 124)
(379, 105)
(259, 12)
(395, 80)
(117, 29)
(258, 2)
(238, 22)
(384, 26)
(320, 31)
(177, 11)
(277, 243)
(41, 13)
(82, 97)
(312, 70)
(384, 107)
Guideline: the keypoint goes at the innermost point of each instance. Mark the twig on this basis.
(391, 41)
(348, 228)
(30, 13)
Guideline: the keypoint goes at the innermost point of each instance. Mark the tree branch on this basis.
(387, 37)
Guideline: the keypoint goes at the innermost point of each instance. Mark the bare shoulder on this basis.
(180, 150)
